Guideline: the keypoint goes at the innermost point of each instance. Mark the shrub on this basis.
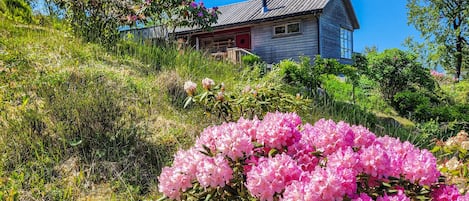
(278, 158)
(250, 59)
(305, 75)
(396, 71)
(17, 10)
(248, 102)
(406, 102)
(442, 113)
(454, 157)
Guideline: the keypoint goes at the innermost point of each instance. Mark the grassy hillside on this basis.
(80, 122)
(77, 120)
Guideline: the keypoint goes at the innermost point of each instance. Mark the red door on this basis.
(243, 41)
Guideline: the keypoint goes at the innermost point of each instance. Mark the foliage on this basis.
(396, 71)
(454, 157)
(96, 21)
(250, 59)
(443, 113)
(458, 91)
(247, 103)
(171, 14)
(406, 102)
(303, 74)
(80, 122)
(17, 10)
(444, 24)
(280, 159)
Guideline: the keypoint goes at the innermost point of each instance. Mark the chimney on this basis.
(264, 6)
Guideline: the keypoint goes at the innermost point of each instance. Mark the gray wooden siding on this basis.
(273, 49)
(333, 18)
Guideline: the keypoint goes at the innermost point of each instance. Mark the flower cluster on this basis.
(279, 158)
(437, 74)
(453, 156)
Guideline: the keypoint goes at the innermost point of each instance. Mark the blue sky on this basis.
(383, 23)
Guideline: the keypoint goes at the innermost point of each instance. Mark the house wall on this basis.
(273, 49)
(333, 18)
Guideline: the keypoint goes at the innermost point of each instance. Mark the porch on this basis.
(227, 44)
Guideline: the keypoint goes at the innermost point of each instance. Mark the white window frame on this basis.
(346, 45)
(285, 26)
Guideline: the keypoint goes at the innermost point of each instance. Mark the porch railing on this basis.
(236, 54)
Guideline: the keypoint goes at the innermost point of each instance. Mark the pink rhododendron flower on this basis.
(328, 137)
(207, 83)
(399, 197)
(271, 176)
(375, 161)
(311, 163)
(249, 126)
(445, 193)
(302, 153)
(344, 158)
(363, 136)
(214, 171)
(332, 184)
(363, 197)
(208, 138)
(463, 197)
(179, 178)
(420, 166)
(300, 191)
(279, 130)
(190, 87)
(173, 181)
(233, 141)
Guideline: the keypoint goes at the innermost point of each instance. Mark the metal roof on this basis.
(251, 11)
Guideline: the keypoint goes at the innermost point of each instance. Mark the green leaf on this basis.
(188, 101)
(436, 149)
(209, 196)
(74, 144)
(273, 152)
(386, 184)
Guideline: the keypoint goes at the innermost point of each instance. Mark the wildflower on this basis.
(194, 5)
(220, 96)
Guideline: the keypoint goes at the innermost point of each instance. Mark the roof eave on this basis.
(352, 15)
(311, 12)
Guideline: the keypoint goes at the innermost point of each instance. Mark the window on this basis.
(286, 29)
(345, 43)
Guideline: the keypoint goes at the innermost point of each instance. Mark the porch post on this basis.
(197, 43)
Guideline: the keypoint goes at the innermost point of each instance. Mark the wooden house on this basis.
(280, 29)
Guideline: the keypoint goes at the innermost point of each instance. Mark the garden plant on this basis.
(279, 158)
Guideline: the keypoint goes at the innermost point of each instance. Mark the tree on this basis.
(397, 71)
(97, 20)
(171, 14)
(446, 24)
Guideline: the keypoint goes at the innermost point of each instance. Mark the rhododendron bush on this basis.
(279, 158)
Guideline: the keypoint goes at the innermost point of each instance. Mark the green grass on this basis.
(78, 121)
(112, 119)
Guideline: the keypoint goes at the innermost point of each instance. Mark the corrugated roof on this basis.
(252, 10)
